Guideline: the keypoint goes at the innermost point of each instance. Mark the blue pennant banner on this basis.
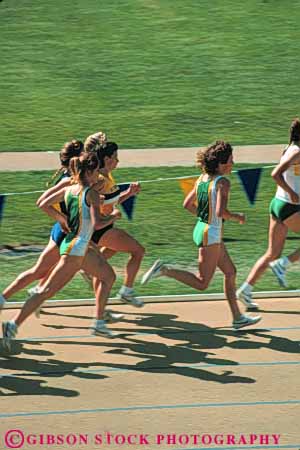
(128, 205)
(2, 201)
(250, 181)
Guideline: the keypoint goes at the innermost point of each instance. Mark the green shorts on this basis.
(205, 234)
(281, 210)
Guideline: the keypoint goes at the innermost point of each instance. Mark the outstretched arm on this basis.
(133, 189)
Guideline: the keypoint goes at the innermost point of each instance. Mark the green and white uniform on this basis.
(79, 220)
(281, 206)
(208, 229)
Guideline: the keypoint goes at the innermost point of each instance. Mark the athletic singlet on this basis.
(208, 228)
(206, 194)
(291, 176)
(79, 220)
(111, 192)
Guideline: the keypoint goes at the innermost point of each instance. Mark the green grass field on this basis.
(151, 73)
(160, 224)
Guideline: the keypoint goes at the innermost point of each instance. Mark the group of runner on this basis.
(83, 204)
(84, 200)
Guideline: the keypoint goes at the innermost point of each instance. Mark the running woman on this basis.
(83, 216)
(208, 201)
(111, 239)
(284, 214)
(50, 255)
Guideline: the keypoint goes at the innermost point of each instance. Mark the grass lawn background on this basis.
(160, 224)
(151, 73)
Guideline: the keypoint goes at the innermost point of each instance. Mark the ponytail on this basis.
(79, 166)
(70, 149)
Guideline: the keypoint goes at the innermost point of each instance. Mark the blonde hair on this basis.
(95, 141)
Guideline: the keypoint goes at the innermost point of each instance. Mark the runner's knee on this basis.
(108, 275)
(271, 255)
(139, 251)
(230, 273)
(203, 283)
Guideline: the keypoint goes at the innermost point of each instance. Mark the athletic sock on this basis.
(13, 323)
(285, 262)
(246, 287)
(2, 301)
(126, 290)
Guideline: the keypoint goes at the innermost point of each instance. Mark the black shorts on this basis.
(99, 233)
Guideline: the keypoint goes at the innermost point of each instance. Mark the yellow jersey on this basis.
(111, 192)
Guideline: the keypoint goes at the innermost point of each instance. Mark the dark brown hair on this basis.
(106, 150)
(210, 158)
(79, 166)
(68, 151)
(295, 130)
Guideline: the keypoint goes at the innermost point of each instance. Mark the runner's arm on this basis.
(133, 189)
(223, 189)
(99, 221)
(190, 202)
(63, 183)
(277, 174)
(46, 206)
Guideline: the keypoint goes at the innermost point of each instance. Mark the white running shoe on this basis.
(153, 272)
(130, 299)
(279, 272)
(111, 317)
(9, 331)
(102, 330)
(245, 321)
(246, 298)
(33, 290)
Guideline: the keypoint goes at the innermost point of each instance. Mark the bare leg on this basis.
(293, 223)
(62, 273)
(207, 259)
(226, 265)
(294, 257)
(117, 240)
(103, 278)
(107, 252)
(46, 261)
(280, 265)
(277, 235)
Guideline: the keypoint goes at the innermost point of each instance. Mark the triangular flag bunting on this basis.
(128, 205)
(187, 184)
(2, 201)
(250, 181)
